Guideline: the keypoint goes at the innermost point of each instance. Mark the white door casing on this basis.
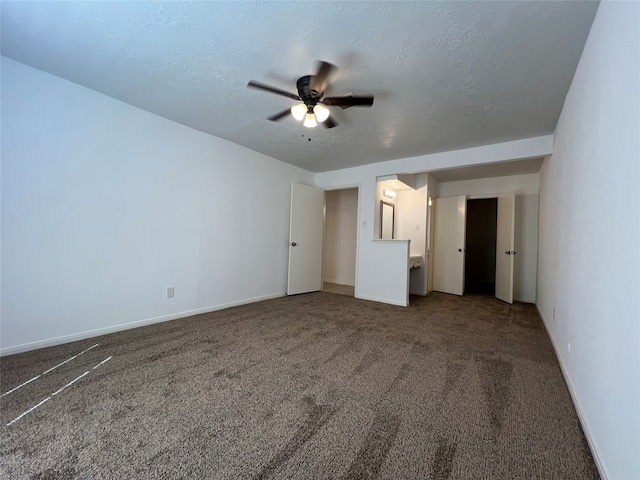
(505, 247)
(430, 243)
(449, 244)
(305, 239)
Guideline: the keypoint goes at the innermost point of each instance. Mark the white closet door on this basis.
(305, 239)
(449, 242)
(505, 247)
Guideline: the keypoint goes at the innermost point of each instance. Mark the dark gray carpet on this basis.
(311, 386)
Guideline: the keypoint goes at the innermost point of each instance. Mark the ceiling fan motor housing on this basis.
(309, 96)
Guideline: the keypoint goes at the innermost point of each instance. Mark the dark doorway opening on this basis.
(480, 257)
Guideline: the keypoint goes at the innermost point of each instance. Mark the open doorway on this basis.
(340, 241)
(481, 238)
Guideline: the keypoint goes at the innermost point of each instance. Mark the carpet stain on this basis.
(375, 448)
(317, 417)
(307, 342)
(353, 343)
(225, 373)
(373, 356)
(495, 376)
(171, 352)
(64, 470)
(122, 413)
(405, 369)
(443, 460)
(53, 474)
(420, 348)
(295, 332)
(234, 375)
(403, 373)
(451, 377)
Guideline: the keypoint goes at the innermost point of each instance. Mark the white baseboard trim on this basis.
(337, 281)
(523, 300)
(382, 300)
(593, 446)
(50, 342)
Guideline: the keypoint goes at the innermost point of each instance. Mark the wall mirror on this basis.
(387, 211)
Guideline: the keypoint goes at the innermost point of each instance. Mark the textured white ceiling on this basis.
(445, 75)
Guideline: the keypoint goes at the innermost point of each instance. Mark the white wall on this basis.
(412, 212)
(589, 265)
(526, 226)
(370, 278)
(340, 234)
(391, 268)
(105, 205)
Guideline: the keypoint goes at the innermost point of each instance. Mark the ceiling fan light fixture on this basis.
(322, 112)
(299, 111)
(311, 90)
(310, 120)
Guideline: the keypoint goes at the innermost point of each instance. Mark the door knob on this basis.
(510, 252)
(293, 244)
(460, 250)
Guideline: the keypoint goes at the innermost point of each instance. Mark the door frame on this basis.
(357, 186)
(431, 224)
(487, 196)
(497, 196)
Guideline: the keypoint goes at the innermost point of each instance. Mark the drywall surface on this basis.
(340, 235)
(412, 218)
(412, 225)
(526, 189)
(104, 206)
(370, 279)
(392, 270)
(589, 265)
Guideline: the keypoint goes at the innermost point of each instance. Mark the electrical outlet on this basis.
(170, 292)
(364, 224)
(417, 228)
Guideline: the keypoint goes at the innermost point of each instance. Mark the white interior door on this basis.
(505, 247)
(448, 244)
(305, 239)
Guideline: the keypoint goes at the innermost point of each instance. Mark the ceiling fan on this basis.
(313, 109)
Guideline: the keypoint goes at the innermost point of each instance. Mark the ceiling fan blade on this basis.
(348, 101)
(277, 91)
(320, 80)
(329, 123)
(280, 116)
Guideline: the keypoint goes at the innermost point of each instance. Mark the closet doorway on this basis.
(480, 260)
(340, 241)
(490, 257)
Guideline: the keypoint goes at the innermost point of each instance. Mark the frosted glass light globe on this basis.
(310, 120)
(299, 111)
(322, 112)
